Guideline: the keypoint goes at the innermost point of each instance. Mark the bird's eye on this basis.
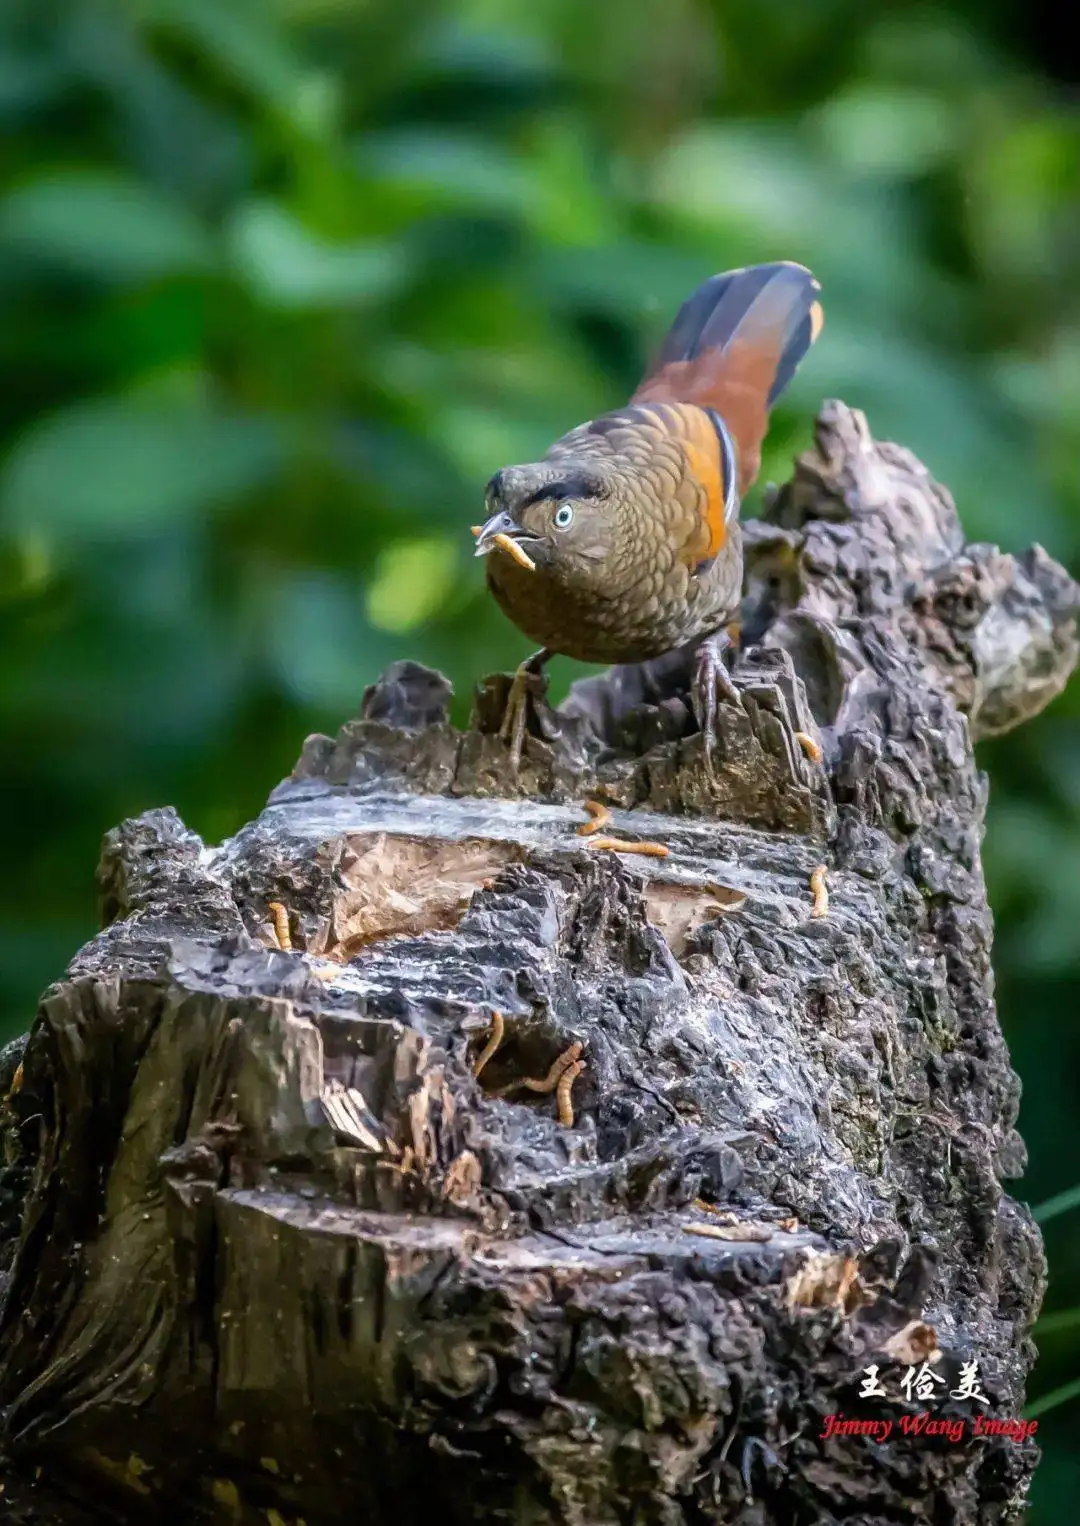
(564, 516)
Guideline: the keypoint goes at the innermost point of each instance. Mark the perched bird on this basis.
(623, 542)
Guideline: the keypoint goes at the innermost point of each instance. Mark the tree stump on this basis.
(277, 1252)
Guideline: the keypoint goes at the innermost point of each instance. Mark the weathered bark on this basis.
(282, 1251)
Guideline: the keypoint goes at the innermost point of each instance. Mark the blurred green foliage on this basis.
(283, 281)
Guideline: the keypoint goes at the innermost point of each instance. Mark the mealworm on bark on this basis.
(601, 818)
(722, 1213)
(562, 1093)
(821, 892)
(498, 1028)
(615, 845)
(810, 746)
(555, 1074)
(510, 546)
(756, 1233)
(281, 924)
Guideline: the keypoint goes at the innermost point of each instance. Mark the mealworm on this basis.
(562, 1093)
(810, 746)
(281, 924)
(756, 1233)
(723, 1213)
(498, 1028)
(508, 544)
(476, 529)
(16, 1081)
(555, 1074)
(821, 892)
(614, 845)
(600, 814)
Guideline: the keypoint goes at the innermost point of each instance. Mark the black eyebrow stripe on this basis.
(576, 486)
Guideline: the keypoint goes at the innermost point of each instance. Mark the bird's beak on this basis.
(498, 524)
(503, 534)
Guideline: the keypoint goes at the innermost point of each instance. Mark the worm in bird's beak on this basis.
(503, 534)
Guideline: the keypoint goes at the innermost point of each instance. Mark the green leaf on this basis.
(1052, 1400)
(244, 38)
(27, 83)
(317, 642)
(872, 129)
(104, 225)
(754, 193)
(480, 440)
(646, 284)
(1061, 1319)
(123, 467)
(1053, 1206)
(457, 169)
(412, 581)
(288, 266)
(490, 51)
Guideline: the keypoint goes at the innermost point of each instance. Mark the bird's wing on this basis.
(678, 462)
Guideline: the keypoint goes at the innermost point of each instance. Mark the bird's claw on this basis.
(515, 717)
(712, 682)
(515, 721)
(751, 1445)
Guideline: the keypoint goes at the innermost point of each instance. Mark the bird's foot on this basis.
(530, 683)
(769, 1459)
(712, 683)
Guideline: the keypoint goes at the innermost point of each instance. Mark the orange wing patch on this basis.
(706, 469)
(706, 465)
(698, 445)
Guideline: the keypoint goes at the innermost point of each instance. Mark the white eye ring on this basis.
(564, 516)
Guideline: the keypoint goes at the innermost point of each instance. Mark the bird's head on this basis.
(555, 518)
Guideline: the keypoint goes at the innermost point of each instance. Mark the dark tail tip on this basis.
(775, 304)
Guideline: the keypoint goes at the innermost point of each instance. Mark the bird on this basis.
(623, 542)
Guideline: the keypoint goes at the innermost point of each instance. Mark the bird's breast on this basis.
(636, 605)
